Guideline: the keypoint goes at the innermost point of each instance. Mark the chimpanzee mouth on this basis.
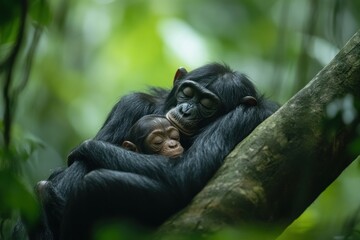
(177, 125)
(175, 154)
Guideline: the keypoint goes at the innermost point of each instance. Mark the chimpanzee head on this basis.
(154, 134)
(204, 94)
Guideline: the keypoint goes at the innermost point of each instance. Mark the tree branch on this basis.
(277, 172)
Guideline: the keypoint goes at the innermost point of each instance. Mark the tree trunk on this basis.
(283, 166)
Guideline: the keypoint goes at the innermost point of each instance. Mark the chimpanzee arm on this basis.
(99, 154)
(211, 147)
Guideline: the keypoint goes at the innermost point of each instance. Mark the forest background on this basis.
(77, 58)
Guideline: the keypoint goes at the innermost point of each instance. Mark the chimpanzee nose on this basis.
(185, 109)
(173, 144)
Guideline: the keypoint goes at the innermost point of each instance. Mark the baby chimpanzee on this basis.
(154, 134)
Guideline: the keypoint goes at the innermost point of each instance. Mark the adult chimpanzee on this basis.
(151, 134)
(213, 107)
(154, 134)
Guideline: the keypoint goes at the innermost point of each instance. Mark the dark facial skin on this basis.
(160, 138)
(195, 106)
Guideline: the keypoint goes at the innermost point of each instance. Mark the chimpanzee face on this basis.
(163, 139)
(195, 105)
(154, 134)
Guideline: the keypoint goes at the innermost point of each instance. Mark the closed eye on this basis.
(207, 102)
(157, 141)
(174, 135)
(188, 92)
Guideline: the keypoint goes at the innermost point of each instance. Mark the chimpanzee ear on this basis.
(249, 100)
(180, 73)
(129, 146)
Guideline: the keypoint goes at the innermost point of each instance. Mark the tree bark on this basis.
(283, 166)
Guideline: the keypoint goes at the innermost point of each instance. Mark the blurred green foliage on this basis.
(93, 52)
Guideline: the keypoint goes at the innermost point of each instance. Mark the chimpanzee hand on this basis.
(83, 151)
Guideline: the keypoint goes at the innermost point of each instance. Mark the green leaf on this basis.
(40, 12)
(15, 196)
